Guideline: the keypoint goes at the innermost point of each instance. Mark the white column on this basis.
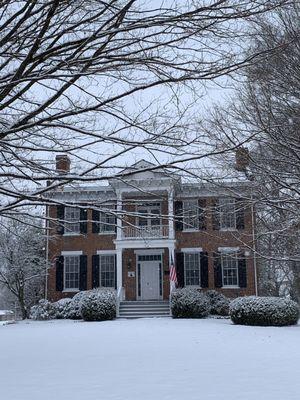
(119, 268)
(119, 213)
(171, 214)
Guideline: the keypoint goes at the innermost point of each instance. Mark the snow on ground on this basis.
(157, 359)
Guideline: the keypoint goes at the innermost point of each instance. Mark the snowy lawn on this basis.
(143, 359)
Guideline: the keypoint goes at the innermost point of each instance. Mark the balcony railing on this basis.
(145, 232)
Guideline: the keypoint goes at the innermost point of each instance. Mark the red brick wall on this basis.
(209, 240)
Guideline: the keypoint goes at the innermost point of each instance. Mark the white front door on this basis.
(150, 282)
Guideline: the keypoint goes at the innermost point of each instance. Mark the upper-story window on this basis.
(72, 220)
(107, 222)
(190, 215)
(149, 214)
(227, 213)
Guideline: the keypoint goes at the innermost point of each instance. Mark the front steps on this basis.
(144, 309)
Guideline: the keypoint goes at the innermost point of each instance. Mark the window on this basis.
(229, 269)
(72, 220)
(227, 213)
(107, 222)
(107, 270)
(149, 214)
(192, 269)
(71, 272)
(190, 215)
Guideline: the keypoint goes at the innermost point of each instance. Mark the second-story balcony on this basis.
(145, 232)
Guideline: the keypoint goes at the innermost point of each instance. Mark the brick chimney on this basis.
(242, 159)
(63, 164)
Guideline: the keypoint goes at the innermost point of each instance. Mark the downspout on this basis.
(254, 248)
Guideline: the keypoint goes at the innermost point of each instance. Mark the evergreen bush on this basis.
(219, 304)
(189, 303)
(42, 311)
(99, 305)
(264, 311)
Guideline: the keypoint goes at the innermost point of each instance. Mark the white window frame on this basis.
(223, 215)
(149, 216)
(103, 215)
(66, 255)
(233, 254)
(185, 255)
(71, 222)
(107, 254)
(186, 216)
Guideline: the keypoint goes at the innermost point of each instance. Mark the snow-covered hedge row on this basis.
(67, 308)
(264, 311)
(99, 305)
(189, 303)
(219, 304)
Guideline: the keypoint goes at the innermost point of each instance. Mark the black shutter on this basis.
(83, 273)
(95, 271)
(116, 272)
(240, 214)
(60, 213)
(180, 269)
(83, 220)
(116, 224)
(178, 215)
(242, 272)
(215, 214)
(218, 270)
(95, 223)
(60, 274)
(204, 269)
(202, 214)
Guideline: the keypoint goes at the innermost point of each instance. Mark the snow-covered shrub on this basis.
(62, 308)
(219, 304)
(264, 311)
(99, 305)
(44, 310)
(73, 308)
(189, 303)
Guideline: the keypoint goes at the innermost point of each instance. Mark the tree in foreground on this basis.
(265, 117)
(23, 266)
(102, 81)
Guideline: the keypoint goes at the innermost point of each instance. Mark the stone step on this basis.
(144, 309)
(144, 306)
(148, 302)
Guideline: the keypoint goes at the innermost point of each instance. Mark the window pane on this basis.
(72, 220)
(227, 213)
(107, 271)
(230, 269)
(149, 212)
(107, 222)
(71, 272)
(192, 269)
(190, 214)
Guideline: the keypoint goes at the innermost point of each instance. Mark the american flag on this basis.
(173, 276)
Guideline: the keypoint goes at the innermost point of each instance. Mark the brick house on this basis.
(126, 234)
